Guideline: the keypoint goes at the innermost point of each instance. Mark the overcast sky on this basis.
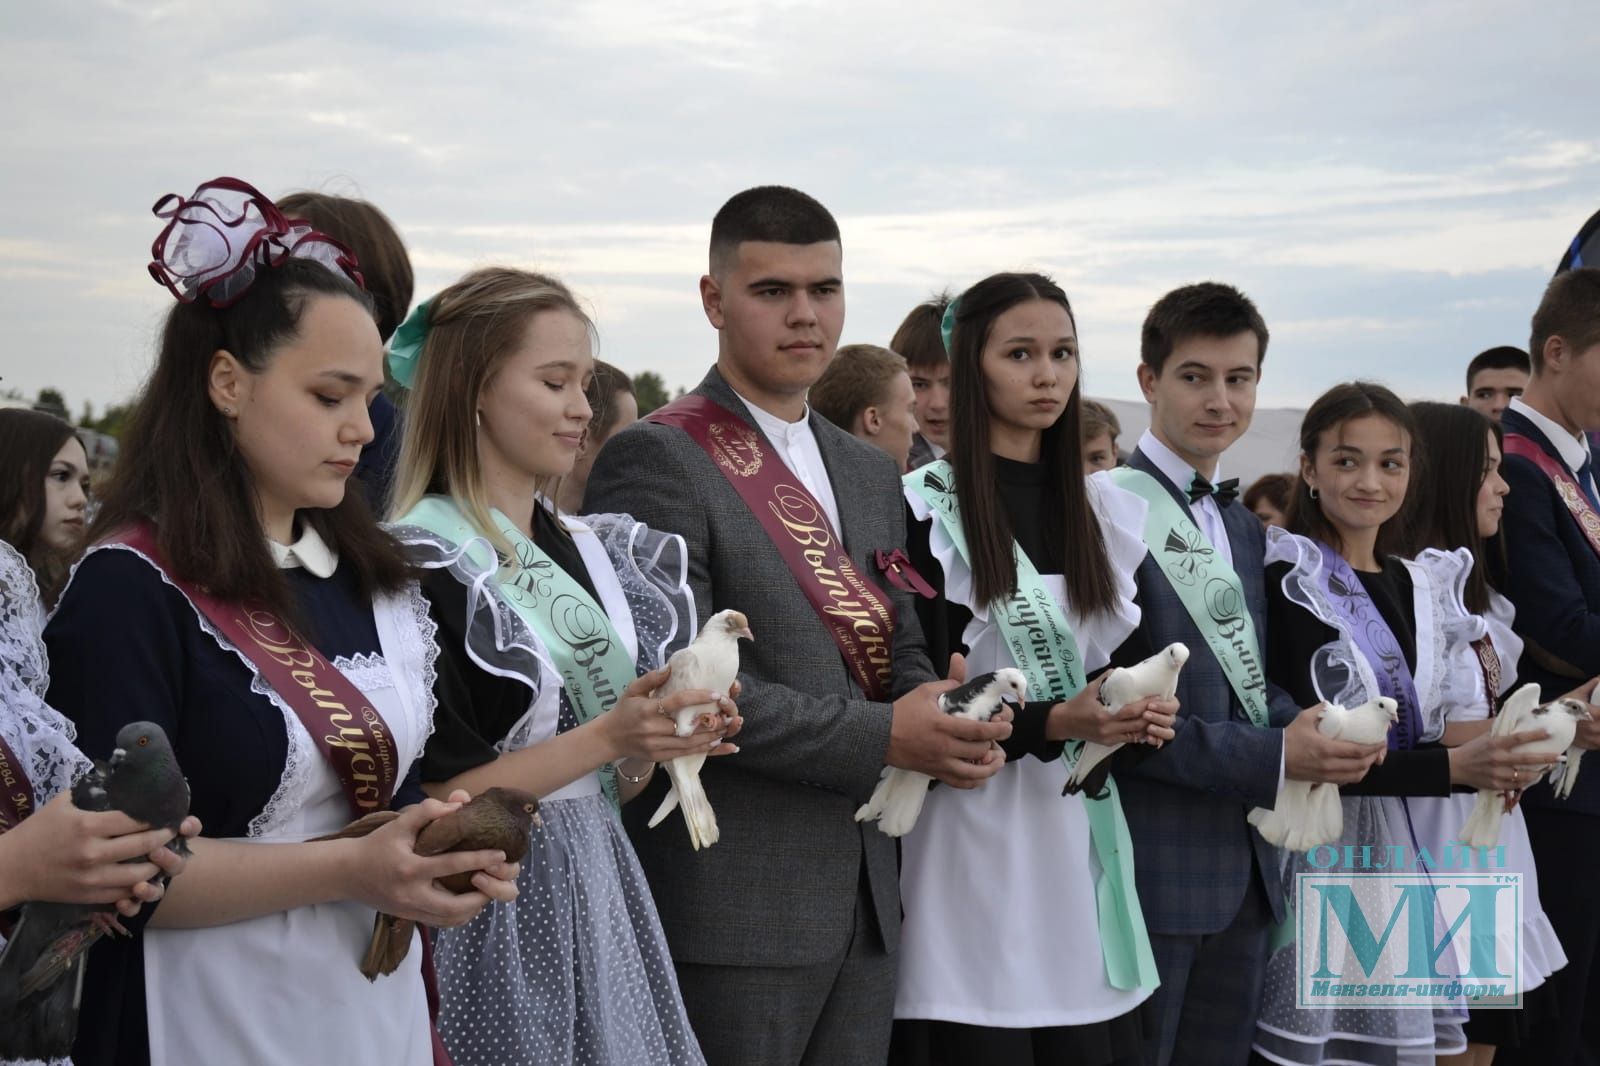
(1392, 183)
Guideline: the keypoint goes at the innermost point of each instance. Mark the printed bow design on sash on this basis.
(1189, 553)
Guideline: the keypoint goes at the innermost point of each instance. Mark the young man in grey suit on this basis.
(784, 932)
(1208, 884)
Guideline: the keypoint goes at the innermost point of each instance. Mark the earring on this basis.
(1315, 495)
(477, 419)
(227, 412)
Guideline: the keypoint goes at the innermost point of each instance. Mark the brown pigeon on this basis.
(497, 819)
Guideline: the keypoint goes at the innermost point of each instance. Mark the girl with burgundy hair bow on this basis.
(237, 595)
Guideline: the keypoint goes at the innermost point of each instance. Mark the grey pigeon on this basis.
(41, 968)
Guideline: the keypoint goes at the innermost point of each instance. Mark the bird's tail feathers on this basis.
(697, 814)
(669, 803)
(1482, 827)
(391, 939)
(1564, 778)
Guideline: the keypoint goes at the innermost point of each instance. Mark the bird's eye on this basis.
(528, 807)
(143, 741)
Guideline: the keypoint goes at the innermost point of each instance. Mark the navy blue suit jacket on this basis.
(1186, 804)
(1552, 576)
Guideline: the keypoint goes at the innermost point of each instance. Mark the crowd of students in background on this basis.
(878, 524)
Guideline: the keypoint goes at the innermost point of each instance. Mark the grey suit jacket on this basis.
(1186, 804)
(780, 887)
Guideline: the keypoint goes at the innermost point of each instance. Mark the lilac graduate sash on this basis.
(1377, 643)
(348, 730)
(858, 615)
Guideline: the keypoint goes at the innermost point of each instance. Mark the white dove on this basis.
(897, 800)
(1156, 676)
(1309, 814)
(710, 662)
(1522, 712)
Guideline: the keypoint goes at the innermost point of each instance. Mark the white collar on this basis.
(310, 551)
(1177, 470)
(1574, 450)
(776, 428)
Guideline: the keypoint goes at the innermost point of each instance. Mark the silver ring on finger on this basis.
(1516, 774)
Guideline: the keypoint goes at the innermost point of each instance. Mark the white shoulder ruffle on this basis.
(497, 639)
(1339, 672)
(653, 569)
(1445, 631)
(1121, 515)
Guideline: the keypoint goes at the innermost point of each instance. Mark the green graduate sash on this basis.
(1207, 587)
(1043, 646)
(583, 644)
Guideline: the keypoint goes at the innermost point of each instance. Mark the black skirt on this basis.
(1512, 1028)
(1118, 1041)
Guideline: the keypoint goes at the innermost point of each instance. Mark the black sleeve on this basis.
(475, 709)
(1296, 635)
(1422, 771)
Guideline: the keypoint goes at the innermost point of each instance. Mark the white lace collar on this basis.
(310, 551)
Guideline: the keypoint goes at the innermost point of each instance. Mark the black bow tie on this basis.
(1226, 492)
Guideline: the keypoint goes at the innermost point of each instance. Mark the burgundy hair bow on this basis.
(216, 239)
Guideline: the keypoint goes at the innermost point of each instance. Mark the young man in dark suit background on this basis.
(1552, 575)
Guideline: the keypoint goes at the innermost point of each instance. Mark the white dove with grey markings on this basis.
(1523, 712)
(896, 802)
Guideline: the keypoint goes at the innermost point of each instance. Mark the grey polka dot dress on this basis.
(575, 971)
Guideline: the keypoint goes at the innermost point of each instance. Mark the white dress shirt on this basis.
(1206, 512)
(1574, 449)
(796, 445)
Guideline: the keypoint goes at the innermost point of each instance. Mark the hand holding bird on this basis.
(1523, 718)
(897, 801)
(463, 848)
(41, 968)
(1121, 690)
(1307, 814)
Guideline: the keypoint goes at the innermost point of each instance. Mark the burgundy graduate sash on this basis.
(858, 614)
(16, 791)
(1567, 487)
(348, 730)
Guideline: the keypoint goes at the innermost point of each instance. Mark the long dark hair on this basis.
(180, 470)
(1452, 444)
(984, 520)
(29, 440)
(1341, 404)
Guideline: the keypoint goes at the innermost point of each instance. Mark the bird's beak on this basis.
(746, 634)
(117, 755)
